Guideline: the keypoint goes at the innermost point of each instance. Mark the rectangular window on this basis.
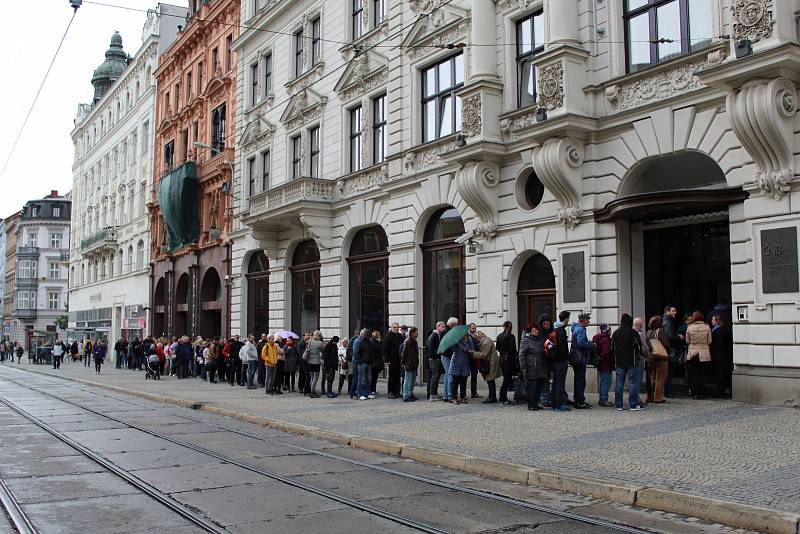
(33, 238)
(185, 145)
(297, 161)
(378, 11)
(316, 41)
(52, 300)
(53, 270)
(169, 155)
(145, 137)
(660, 30)
(195, 132)
(228, 52)
(35, 211)
(177, 96)
(56, 212)
(251, 176)
(253, 84)
(265, 163)
(530, 42)
(267, 75)
(441, 108)
(218, 128)
(55, 239)
(26, 300)
(188, 86)
(355, 139)
(167, 102)
(200, 76)
(313, 135)
(299, 42)
(379, 137)
(214, 60)
(358, 10)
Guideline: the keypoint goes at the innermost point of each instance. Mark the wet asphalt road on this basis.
(63, 490)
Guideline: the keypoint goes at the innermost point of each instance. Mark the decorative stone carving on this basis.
(365, 85)
(455, 34)
(660, 86)
(715, 57)
(752, 19)
(513, 4)
(372, 178)
(762, 113)
(558, 165)
(505, 129)
(476, 182)
(551, 86)
(431, 8)
(471, 116)
(421, 160)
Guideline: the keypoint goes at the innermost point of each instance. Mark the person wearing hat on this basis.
(579, 357)
(605, 363)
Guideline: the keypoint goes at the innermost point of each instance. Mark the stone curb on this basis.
(726, 512)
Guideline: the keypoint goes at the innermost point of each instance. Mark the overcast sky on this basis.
(29, 35)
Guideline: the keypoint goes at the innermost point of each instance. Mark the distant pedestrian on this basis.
(487, 360)
(435, 361)
(698, 356)
(345, 365)
(409, 359)
(626, 346)
(290, 364)
(19, 350)
(557, 346)
(378, 361)
(391, 355)
(658, 364)
(269, 355)
(100, 352)
(313, 359)
(58, 354)
(446, 357)
(363, 353)
(580, 356)
(721, 355)
(460, 369)
(509, 359)
(605, 362)
(330, 362)
(87, 352)
(249, 355)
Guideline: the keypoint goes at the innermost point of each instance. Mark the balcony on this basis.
(65, 256)
(286, 197)
(104, 239)
(28, 251)
(216, 164)
(25, 315)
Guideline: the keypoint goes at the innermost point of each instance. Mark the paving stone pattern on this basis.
(714, 448)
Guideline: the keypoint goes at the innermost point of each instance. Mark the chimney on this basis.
(53, 194)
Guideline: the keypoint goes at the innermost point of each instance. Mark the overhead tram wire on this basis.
(38, 93)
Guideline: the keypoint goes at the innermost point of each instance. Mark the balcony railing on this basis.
(105, 237)
(65, 255)
(284, 195)
(27, 251)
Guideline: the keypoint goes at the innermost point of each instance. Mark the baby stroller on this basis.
(153, 368)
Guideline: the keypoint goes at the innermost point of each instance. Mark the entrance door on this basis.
(532, 306)
(536, 291)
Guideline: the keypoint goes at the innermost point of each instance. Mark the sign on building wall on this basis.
(573, 276)
(779, 261)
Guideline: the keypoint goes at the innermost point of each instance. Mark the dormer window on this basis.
(56, 211)
(34, 211)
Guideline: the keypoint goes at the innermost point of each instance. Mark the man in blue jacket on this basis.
(580, 356)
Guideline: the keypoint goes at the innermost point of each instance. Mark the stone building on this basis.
(9, 259)
(112, 173)
(412, 161)
(42, 242)
(190, 203)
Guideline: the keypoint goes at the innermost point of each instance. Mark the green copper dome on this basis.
(111, 69)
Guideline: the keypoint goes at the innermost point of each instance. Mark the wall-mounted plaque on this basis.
(779, 260)
(574, 277)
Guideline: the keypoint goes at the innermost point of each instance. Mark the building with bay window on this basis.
(508, 159)
(109, 263)
(190, 200)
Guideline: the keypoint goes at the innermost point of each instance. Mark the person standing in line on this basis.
(117, 351)
(280, 368)
(391, 355)
(533, 364)
(269, 355)
(58, 354)
(313, 358)
(100, 352)
(626, 346)
(184, 353)
(446, 357)
(580, 356)
(559, 360)
(409, 359)
(474, 364)
(19, 350)
(658, 364)
(378, 363)
(330, 362)
(261, 371)
(352, 349)
(249, 355)
(304, 377)
(669, 323)
(345, 366)
(234, 363)
(291, 358)
(459, 368)
(135, 361)
(721, 355)
(487, 360)
(210, 358)
(509, 359)
(698, 355)
(638, 326)
(363, 352)
(605, 363)
(435, 361)
(88, 350)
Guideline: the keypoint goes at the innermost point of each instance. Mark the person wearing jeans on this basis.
(409, 359)
(605, 362)
(626, 346)
(249, 355)
(533, 364)
(580, 355)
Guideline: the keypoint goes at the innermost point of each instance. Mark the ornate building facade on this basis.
(112, 173)
(412, 161)
(190, 199)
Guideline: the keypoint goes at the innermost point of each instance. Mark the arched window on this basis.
(536, 291)
(369, 288)
(305, 287)
(258, 294)
(444, 275)
(119, 262)
(211, 304)
(129, 263)
(111, 266)
(140, 255)
(181, 321)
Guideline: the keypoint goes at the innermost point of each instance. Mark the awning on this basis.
(674, 203)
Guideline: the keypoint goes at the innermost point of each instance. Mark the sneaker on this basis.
(637, 408)
(432, 399)
(371, 396)
(562, 408)
(582, 406)
(619, 408)
(408, 399)
(534, 408)
(364, 398)
(489, 401)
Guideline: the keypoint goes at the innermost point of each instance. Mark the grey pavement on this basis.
(714, 448)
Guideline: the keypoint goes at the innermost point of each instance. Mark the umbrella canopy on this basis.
(286, 334)
(452, 337)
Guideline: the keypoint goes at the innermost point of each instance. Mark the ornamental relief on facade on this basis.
(752, 19)
(427, 45)
(471, 116)
(504, 5)
(551, 86)
(365, 85)
(366, 180)
(426, 158)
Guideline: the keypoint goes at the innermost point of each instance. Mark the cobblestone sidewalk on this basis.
(719, 449)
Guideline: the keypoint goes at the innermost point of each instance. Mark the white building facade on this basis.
(112, 177)
(507, 159)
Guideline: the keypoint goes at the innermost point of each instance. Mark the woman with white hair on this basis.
(313, 359)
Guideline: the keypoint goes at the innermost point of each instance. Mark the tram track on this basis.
(481, 494)
(16, 515)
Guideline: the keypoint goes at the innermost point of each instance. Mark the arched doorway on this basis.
(181, 306)
(210, 324)
(258, 294)
(159, 308)
(443, 273)
(536, 291)
(305, 287)
(369, 288)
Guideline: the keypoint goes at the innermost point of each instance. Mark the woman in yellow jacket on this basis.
(269, 355)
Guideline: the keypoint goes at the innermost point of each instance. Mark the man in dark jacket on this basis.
(507, 347)
(669, 327)
(559, 360)
(626, 346)
(533, 364)
(580, 356)
(184, 354)
(721, 355)
(235, 363)
(409, 359)
(391, 354)
(435, 361)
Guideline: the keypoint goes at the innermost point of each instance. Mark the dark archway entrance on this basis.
(211, 303)
(159, 308)
(443, 272)
(369, 287)
(258, 294)
(536, 291)
(181, 306)
(305, 287)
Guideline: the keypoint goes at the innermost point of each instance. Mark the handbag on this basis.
(657, 349)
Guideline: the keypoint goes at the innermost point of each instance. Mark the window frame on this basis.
(55, 240)
(267, 74)
(316, 40)
(228, 52)
(356, 12)
(378, 8)
(379, 129)
(299, 46)
(314, 163)
(251, 176)
(52, 267)
(51, 299)
(218, 126)
(441, 95)
(266, 162)
(254, 84)
(297, 156)
(356, 136)
(522, 57)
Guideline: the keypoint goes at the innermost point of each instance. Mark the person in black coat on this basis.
(391, 355)
(559, 361)
(330, 362)
(533, 364)
(507, 347)
(721, 355)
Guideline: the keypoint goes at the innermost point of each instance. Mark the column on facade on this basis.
(562, 23)
(483, 32)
